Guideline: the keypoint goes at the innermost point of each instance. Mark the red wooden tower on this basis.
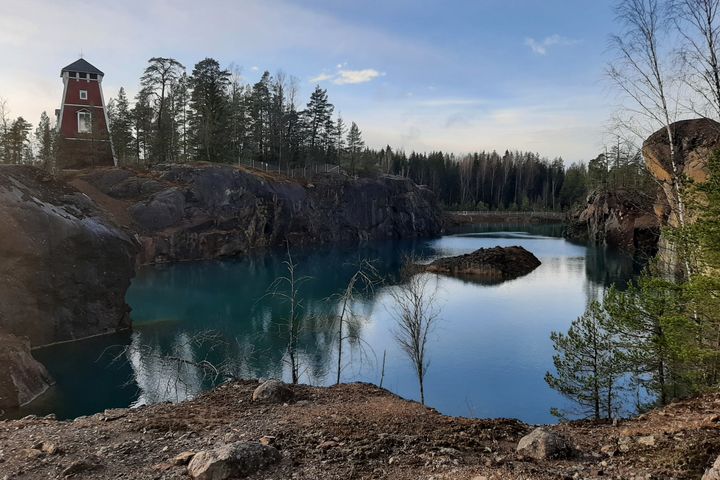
(82, 123)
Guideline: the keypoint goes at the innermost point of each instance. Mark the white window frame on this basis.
(84, 126)
(83, 94)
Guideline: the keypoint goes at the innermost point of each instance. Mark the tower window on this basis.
(84, 122)
(83, 94)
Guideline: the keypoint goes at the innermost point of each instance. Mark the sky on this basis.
(452, 75)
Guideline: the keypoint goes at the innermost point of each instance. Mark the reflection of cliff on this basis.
(605, 267)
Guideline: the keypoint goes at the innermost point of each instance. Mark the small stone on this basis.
(648, 440)
(49, 448)
(267, 440)
(327, 445)
(183, 458)
(624, 444)
(33, 453)
(78, 467)
(609, 450)
(713, 473)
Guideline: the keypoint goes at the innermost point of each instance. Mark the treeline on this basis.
(19, 144)
(211, 115)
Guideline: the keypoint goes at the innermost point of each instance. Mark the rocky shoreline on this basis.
(352, 431)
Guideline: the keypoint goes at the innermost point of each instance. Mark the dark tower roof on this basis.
(81, 66)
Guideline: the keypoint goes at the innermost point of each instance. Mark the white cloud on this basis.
(323, 77)
(348, 77)
(541, 47)
(356, 76)
(254, 68)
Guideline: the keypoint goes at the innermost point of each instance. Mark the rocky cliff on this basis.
(205, 211)
(22, 378)
(631, 222)
(695, 141)
(616, 219)
(64, 267)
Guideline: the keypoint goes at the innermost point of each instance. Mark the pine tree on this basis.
(260, 104)
(209, 105)
(158, 79)
(181, 112)
(355, 145)
(587, 364)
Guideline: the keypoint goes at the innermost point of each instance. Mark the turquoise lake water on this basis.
(488, 352)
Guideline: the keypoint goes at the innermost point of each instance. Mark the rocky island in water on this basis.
(485, 265)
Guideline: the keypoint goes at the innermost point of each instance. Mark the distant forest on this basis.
(212, 115)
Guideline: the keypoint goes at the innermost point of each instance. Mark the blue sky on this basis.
(454, 75)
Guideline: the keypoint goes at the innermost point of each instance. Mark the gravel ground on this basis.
(354, 431)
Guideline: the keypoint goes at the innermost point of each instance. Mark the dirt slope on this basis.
(355, 431)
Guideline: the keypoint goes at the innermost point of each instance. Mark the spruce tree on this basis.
(355, 145)
(121, 124)
(44, 139)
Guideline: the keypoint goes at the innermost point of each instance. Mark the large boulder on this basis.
(64, 266)
(22, 378)
(236, 460)
(205, 211)
(694, 141)
(273, 391)
(542, 444)
(486, 265)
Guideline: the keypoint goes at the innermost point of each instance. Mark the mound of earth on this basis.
(354, 431)
(486, 265)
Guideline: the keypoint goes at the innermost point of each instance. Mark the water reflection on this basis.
(488, 353)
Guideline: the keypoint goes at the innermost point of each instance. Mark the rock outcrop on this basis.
(695, 141)
(64, 267)
(616, 219)
(486, 265)
(205, 211)
(22, 378)
(631, 222)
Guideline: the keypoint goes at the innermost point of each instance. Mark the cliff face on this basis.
(64, 268)
(22, 378)
(623, 219)
(616, 219)
(695, 141)
(192, 212)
